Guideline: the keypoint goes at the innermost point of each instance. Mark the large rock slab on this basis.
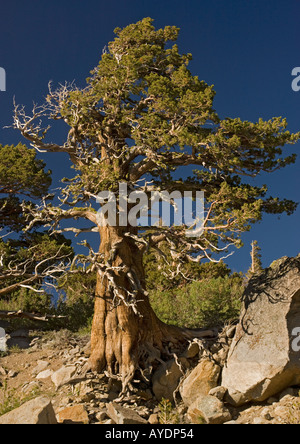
(262, 360)
(36, 411)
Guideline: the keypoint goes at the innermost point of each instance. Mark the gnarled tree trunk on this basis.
(126, 333)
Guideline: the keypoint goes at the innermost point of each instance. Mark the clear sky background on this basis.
(247, 49)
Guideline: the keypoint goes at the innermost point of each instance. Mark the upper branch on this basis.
(50, 215)
(32, 129)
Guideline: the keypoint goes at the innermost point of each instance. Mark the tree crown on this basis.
(143, 115)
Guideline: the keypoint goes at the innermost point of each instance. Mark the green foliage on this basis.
(165, 275)
(201, 295)
(293, 414)
(23, 180)
(207, 303)
(22, 173)
(22, 176)
(32, 302)
(76, 301)
(167, 414)
(12, 399)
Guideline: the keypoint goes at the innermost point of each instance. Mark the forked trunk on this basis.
(126, 333)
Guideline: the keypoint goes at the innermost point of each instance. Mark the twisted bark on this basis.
(126, 333)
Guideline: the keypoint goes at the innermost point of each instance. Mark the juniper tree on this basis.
(141, 117)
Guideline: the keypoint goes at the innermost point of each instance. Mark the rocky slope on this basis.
(52, 367)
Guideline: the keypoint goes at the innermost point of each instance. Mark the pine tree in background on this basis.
(25, 257)
(22, 178)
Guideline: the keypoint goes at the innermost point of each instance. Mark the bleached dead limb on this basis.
(32, 288)
(24, 278)
(25, 315)
(51, 216)
(77, 231)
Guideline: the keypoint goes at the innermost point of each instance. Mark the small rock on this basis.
(30, 387)
(76, 414)
(88, 395)
(66, 401)
(221, 356)
(63, 375)
(271, 400)
(289, 391)
(265, 413)
(259, 420)
(41, 366)
(74, 351)
(34, 342)
(109, 422)
(101, 416)
(219, 392)
(192, 350)
(45, 374)
(153, 419)
(122, 415)
(231, 331)
(209, 409)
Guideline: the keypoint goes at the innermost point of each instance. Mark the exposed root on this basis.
(127, 336)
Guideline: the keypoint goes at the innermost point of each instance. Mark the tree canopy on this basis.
(144, 115)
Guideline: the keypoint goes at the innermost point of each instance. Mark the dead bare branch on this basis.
(25, 315)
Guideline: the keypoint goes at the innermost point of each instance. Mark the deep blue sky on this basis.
(247, 49)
